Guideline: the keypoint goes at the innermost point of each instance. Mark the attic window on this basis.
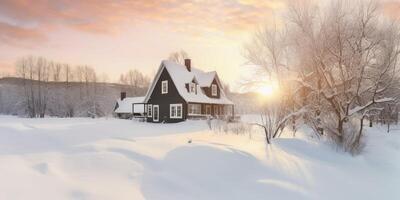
(214, 91)
(192, 87)
(164, 87)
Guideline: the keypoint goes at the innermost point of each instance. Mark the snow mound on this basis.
(121, 159)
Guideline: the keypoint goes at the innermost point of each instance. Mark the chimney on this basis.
(188, 65)
(123, 95)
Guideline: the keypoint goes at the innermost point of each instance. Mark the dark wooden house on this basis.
(179, 92)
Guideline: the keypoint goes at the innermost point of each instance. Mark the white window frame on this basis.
(149, 110)
(192, 87)
(214, 90)
(177, 115)
(166, 87)
(191, 109)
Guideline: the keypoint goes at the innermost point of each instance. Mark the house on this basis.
(179, 92)
(124, 106)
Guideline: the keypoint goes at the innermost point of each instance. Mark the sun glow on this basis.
(266, 90)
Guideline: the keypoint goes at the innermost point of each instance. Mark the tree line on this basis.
(62, 90)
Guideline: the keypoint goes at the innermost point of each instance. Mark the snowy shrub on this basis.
(238, 128)
(350, 140)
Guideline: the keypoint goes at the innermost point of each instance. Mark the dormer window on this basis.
(192, 87)
(214, 90)
(164, 87)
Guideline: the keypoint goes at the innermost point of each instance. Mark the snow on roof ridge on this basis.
(180, 76)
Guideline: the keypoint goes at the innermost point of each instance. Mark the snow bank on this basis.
(120, 159)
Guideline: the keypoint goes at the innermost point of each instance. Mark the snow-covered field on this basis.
(122, 159)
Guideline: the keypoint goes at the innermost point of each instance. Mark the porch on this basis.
(205, 111)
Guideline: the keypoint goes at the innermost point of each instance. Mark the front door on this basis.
(156, 113)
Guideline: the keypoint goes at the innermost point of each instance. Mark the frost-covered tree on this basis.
(352, 52)
(268, 53)
(342, 56)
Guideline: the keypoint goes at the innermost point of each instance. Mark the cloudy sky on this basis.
(115, 36)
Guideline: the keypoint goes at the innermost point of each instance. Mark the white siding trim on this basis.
(149, 110)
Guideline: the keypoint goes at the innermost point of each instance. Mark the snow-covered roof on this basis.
(205, 79)
(181, 76)
(125, 105)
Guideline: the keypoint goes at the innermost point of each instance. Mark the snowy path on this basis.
(119, 159)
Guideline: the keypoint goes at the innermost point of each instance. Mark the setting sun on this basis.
(266, 90)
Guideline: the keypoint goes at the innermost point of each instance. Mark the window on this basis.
(164, 87)
(175, 111)
(195, 109)
(208, 109)
(214, 91)
(215, 110)
(179, 111)
(149, 110)
(192, 87)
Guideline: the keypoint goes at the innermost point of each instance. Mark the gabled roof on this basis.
(205, 79)
(125, 106)
(180, 76)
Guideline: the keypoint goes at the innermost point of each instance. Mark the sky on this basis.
(116, 36)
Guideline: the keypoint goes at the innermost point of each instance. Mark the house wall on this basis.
(164, 100)
(207, 90)
(213, 113)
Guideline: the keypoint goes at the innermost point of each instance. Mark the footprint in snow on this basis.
(43, 168)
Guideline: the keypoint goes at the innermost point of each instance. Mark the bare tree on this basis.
(343, 57)
(56, 71)
(178, 57)
(68, 97)
(79, 75)
(35, 74)
(268, 54)
(136, 81)
(23, 71)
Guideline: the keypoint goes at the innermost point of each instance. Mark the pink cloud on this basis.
(392, 9)
(107, 16)
(6, 69)
(15, 35)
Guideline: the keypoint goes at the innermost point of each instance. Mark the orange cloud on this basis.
(392, 9)
(15, 35)
(107, 16)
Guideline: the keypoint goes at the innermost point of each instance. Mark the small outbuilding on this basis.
(128, 107)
